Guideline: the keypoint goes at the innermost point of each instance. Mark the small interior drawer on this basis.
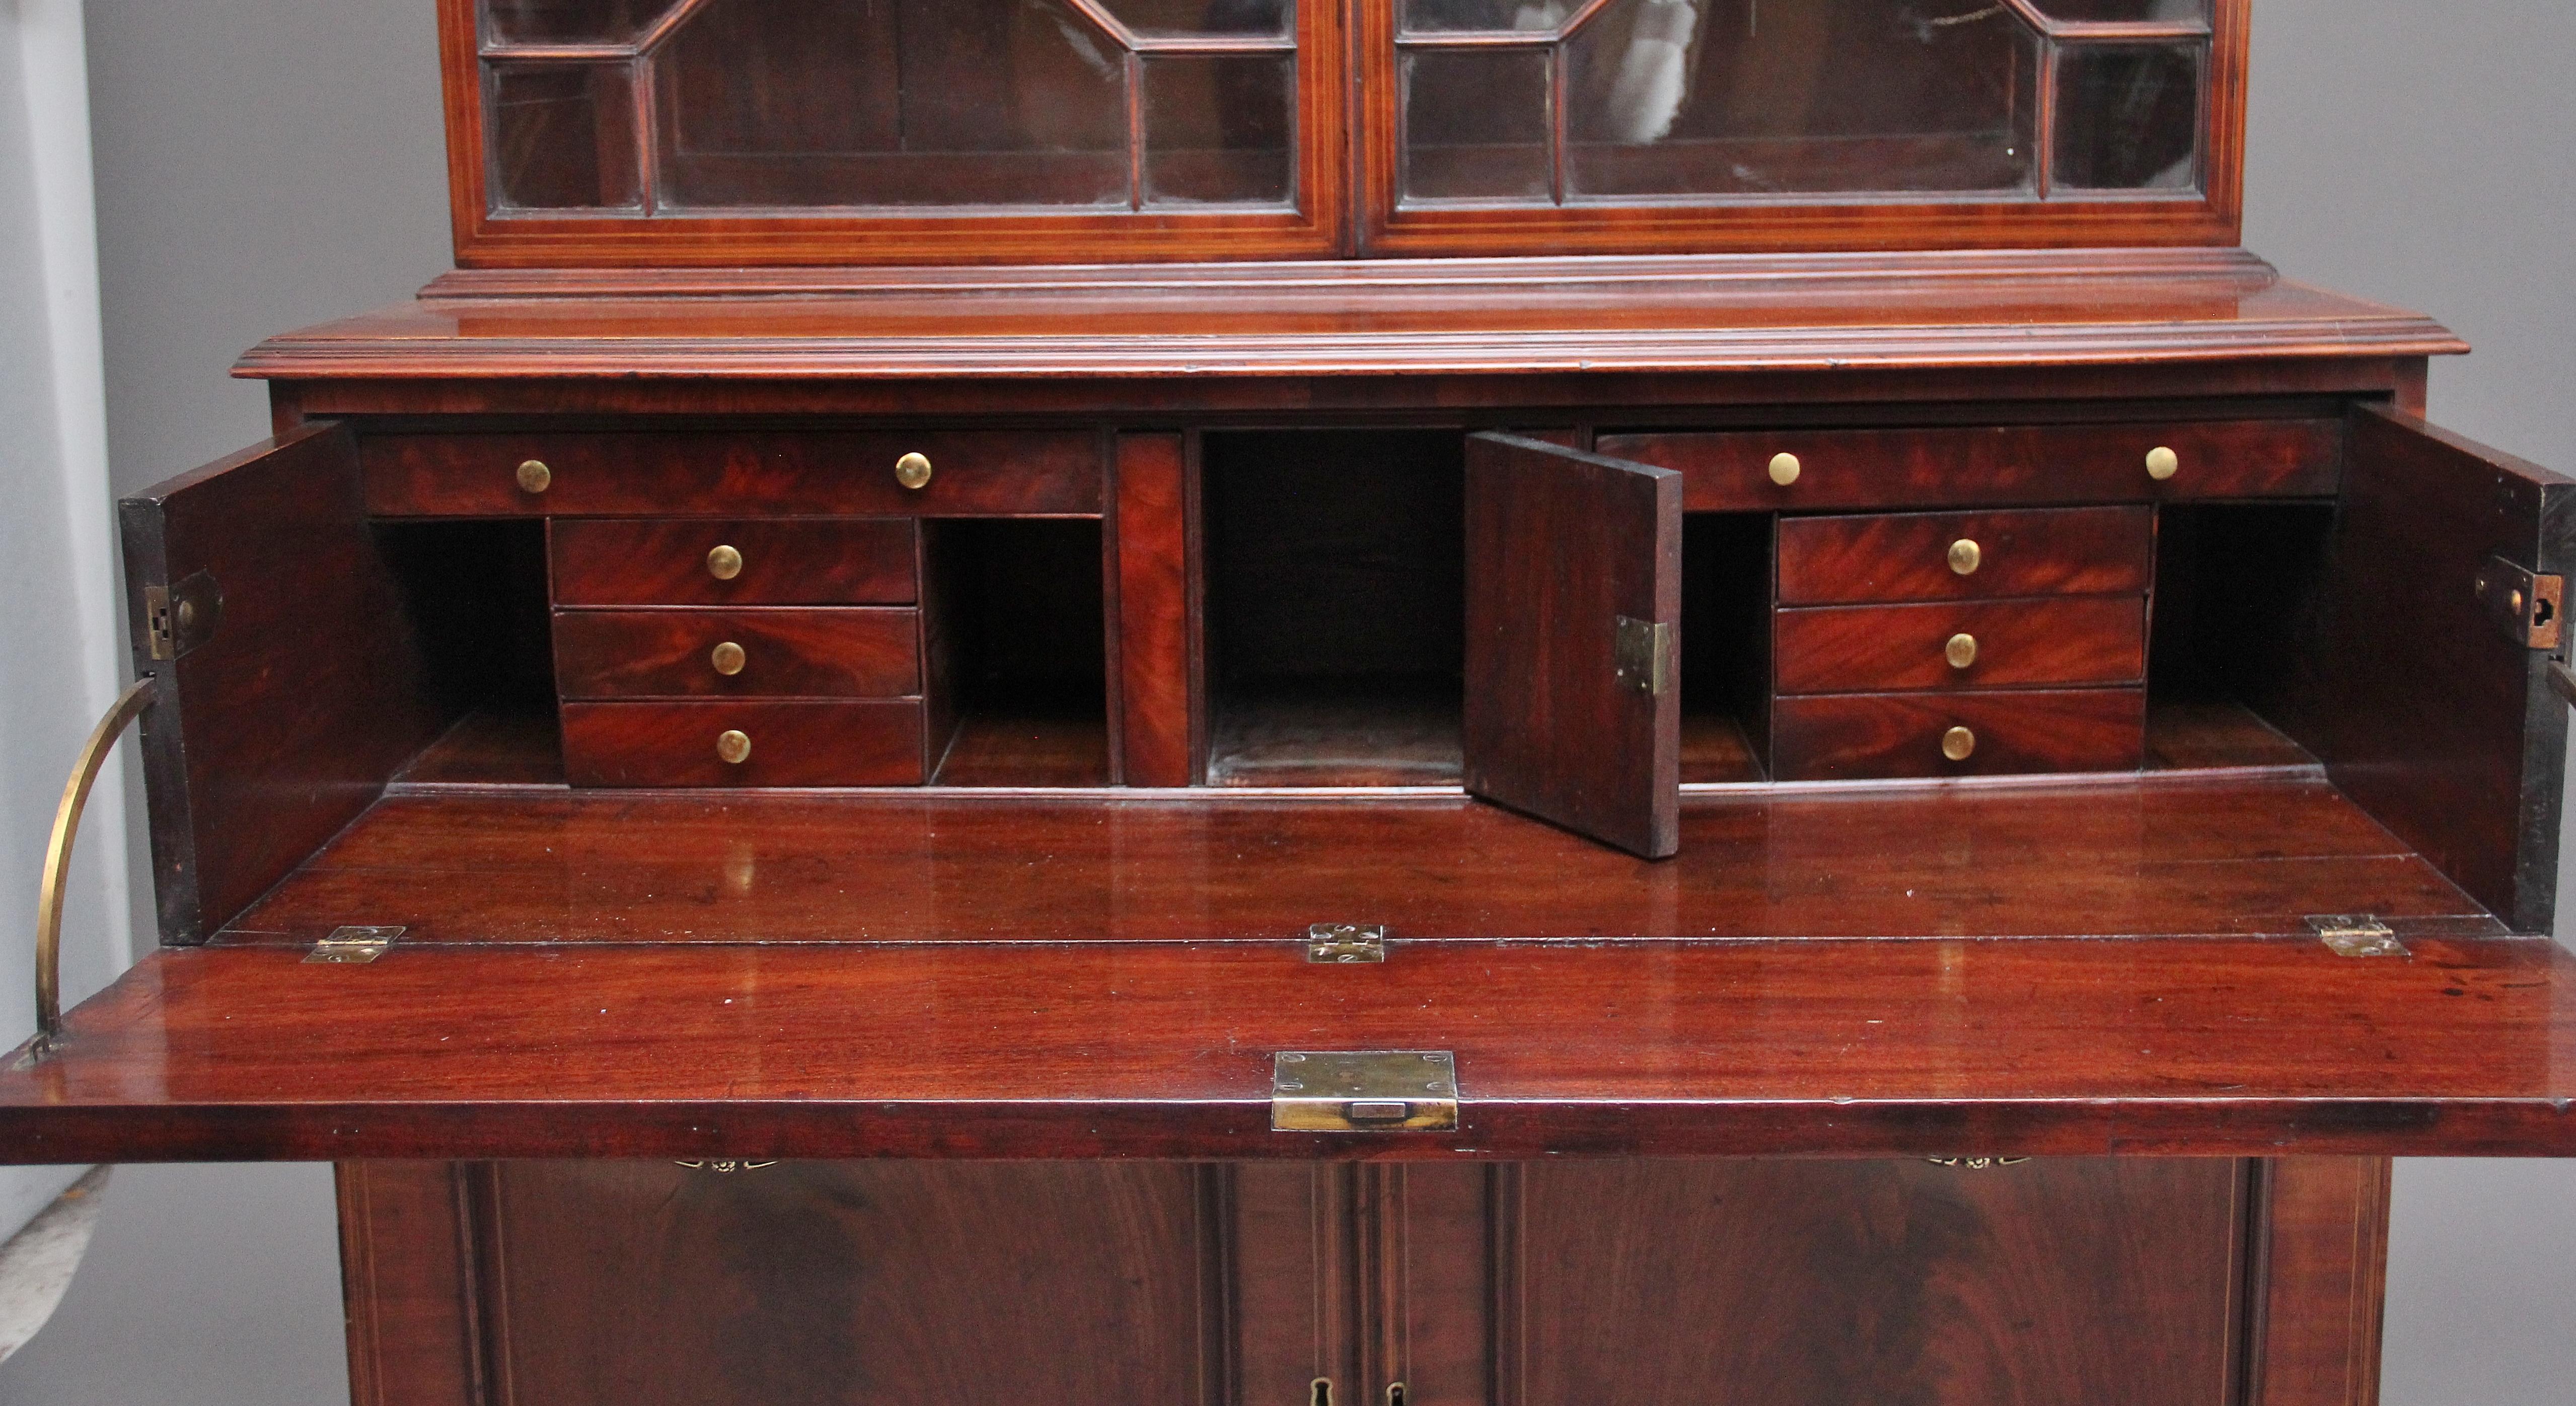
(772, 561)
(2044, 642)
(1875, 735)
(1950, 556)
(1732, 470)
(874, 742)
(768, 652)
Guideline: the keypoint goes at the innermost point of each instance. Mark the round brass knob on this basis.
(535, 477)
(2163, 463)
(1958, 744)
(733, 747)
(724, 563)
(728, 658)
(1966, 557)
(1961, 651)
(912, 470)
(1784, 469)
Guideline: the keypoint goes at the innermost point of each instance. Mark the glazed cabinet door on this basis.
(1573, 707)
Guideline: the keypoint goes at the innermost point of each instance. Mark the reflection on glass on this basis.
(1159, 17)
(569, 21)
(560, 137)
(1752, 97)
(1476, 124)
(1219, 128)
(891, 103)
(2128, 117)
(1454, 16)
(2125, 9)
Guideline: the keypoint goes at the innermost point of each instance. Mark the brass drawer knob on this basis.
(724, 563)
(728, 658)
(1966, 557)
(1784, 469)
(1958, 744)
(535, 477)
(733, 747)
(1961, 651)
(912, 471)
(2163, 463)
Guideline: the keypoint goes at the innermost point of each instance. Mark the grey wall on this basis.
(270, 162)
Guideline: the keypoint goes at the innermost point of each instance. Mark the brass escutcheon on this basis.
(733, 747)
(728, 658)
(2163, 463)
(535, 477)
(1958, 744)
(912, 470)
(1966, 556)
(1961, 651)
(1784, 469)
(724, 563)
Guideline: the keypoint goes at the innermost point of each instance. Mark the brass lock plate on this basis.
(1363, 1091)
(177, 619)
(2524, 604)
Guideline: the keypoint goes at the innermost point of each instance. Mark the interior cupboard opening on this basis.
(1013, 659)
(473, 598)
(2234, 639)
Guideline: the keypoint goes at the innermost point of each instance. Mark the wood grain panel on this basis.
(1560, 546)
(785, 561)
(1157, 613)
(854, 652)
(866, 742)
(2018, 731)
(2322, 1243)
(975, 473)
(404, 1275)
(2020, 643)
(1729, 471)
(1904, 556)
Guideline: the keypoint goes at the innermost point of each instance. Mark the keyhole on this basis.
(2541, 610)
(1323, 1391)
(1395, 1394)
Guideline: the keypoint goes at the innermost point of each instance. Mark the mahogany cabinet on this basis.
(1407, 702)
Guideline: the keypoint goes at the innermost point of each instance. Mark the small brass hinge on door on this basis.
(353, 945)
(2524, 604)
(1642, 655)
(2357, 935)
(1363, 1091)
(179, 618)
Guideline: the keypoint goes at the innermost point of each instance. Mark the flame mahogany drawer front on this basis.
(852, 652)
(1733, 471)
(972, 473)
(767, 743)
(755, 561)
(1961, 645)
(1950, 556)
(2005, 731)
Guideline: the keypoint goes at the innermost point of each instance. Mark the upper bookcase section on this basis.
(726, 132)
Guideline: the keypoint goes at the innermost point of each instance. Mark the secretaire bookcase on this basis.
(1345, 703)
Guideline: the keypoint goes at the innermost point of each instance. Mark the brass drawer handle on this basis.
(724, 563)
(1958, 744)
(733, 747)
(1966, 556)
(535, 477)
(58, 862)
(913, 471)
(2163, 463)
(728, 658)
(1961, 651)
(1784, 469)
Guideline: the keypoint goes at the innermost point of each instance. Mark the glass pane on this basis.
(1219, 129)
(560, 136)
(2125, 9)
(1751, 97)
(569, 21)
(1205, 16)
(2128, 117)
(891, 103)
(1476, 124)
(1452, 16)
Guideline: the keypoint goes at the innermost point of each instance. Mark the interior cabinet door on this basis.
(2431, 713)
(1573, 707)
(262, 600)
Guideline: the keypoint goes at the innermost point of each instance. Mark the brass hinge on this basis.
(2357, 935)
(1975, 1164)
(1345, 942)
(353, 945)
(1363, 1091)
(726, 1167)
(2524, 604)
(179, 618)
(1642, 655)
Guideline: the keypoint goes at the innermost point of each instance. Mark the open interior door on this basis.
(1573, 707)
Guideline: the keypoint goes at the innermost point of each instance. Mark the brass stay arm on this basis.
(58, 862)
